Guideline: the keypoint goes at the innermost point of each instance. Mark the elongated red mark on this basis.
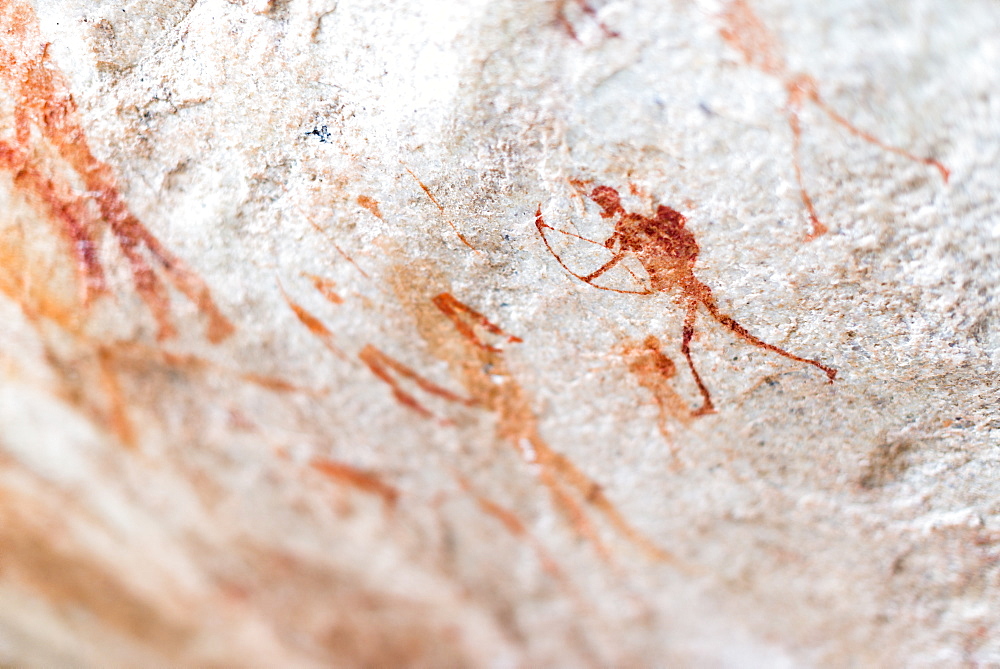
(457, 312)
(279, 385)
(122, 367)
(516, 528)
(313, 324)
(437, 204)
(370, 204)
(587, 9)
(385, 367)
(49, 155)
(325, 287)
(748, 34)
(117, 414)
(361, 479)
(668, 252)
(343, 254)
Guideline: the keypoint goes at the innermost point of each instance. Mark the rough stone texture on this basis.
(288, 376)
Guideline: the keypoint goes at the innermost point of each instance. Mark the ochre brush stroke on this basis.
(354, 477)
(387, 369)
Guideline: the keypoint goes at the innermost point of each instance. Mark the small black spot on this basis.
(323, 132)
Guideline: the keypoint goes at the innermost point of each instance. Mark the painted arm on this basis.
(541, 225)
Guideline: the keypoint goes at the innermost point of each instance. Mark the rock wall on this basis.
(499, 333)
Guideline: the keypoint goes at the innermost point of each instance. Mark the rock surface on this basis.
(320, 347)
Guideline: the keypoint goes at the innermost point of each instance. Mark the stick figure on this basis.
(748, 34)
(667, 251)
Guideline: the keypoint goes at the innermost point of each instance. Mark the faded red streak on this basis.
(455, 311)
(516, 528)
(371, 204)
(315, 226)
(47, 139)
(325, 288)
(384, 366)
(585, 8)
(437, 204)
(313, 324)
(364, 481)
(654, 371)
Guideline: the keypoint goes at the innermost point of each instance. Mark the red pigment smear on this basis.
(361, 479)
(337, 246)
(516, 528)
(313, 324)
(385, 367)
(370, 204)
(117, 415)
(588, 10)
(325, 288)
(491, 386)
(655, 370)
(455, 311)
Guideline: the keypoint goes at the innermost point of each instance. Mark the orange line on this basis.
(357, 478)
(438, 205)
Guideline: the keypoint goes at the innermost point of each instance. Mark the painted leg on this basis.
(818, 228)
(689, 319)
(742, 332)
(872, 139)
